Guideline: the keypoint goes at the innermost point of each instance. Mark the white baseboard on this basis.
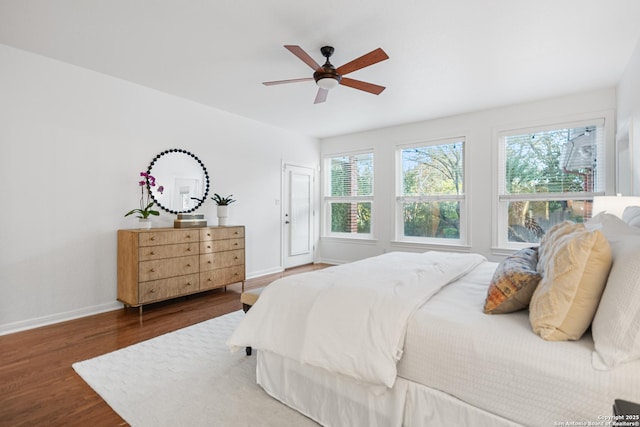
(331, 261)
(37, 322)
(266, 272)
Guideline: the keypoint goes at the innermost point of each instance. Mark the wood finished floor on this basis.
(38, 386)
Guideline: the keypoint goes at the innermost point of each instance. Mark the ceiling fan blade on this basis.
(304, 56)
(321, 96)
(280, 82)
(370, 58)
(359, 84)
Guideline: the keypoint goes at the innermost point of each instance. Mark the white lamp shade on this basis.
(327, 83)
(614, 205)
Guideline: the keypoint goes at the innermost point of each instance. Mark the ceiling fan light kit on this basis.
(328, 77)
(327, 83)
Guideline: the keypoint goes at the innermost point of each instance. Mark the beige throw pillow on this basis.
(565, 301)
(548, 242)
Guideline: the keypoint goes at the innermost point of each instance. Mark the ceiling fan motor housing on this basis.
(327, 71)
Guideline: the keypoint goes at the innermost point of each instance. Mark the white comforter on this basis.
(350, 319)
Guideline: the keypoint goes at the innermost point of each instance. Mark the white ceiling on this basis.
(446, 56)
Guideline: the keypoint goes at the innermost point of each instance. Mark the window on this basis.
(548, 176)
(430, 195)
(348, 195)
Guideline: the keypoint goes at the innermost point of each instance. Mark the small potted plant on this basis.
(223, 207)
(146, 203)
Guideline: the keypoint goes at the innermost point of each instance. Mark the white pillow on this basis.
(616, 325)
(631, 215)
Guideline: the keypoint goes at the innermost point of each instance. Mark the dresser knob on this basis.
(152, 238)
(235, 244)
(152, 253)
(208, 262)
(152, 291)
(209, 279)
(188, 249)
(152, 271)
(236, 274)
(188, 283)
(188, 265)
(236, 233)
(236, 258)
(208, 234)
(208, 246)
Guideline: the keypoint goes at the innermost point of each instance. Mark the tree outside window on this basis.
(549, 177)
(432, 190)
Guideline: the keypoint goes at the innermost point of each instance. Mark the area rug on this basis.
(187, 378)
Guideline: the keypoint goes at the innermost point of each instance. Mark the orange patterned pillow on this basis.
(513, 283)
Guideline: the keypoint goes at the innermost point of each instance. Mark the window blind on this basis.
(351, 175)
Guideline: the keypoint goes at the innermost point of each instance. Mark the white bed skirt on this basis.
(334, 401)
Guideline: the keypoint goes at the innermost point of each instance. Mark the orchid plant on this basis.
(146, 202)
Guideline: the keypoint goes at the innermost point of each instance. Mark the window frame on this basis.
(501, 243)
(328, 200)
(462, 199)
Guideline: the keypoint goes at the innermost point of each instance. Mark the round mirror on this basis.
(183, 179)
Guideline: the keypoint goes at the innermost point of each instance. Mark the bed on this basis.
(447, 362)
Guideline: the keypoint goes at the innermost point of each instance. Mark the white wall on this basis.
(628, 138)
(73, 142)
(72, 145)
(479, 130)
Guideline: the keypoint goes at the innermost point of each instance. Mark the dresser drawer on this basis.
(227, 245)
(229, 258)
(168, 288)
(153, 238)
(210, 246)
(221, 233)
(206, 247)
(207, 280)
(207, 262)
(147, 253)
(229, 275)
(162, 268)
(221, 245)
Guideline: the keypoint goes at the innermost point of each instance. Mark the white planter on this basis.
(223, 213)
(144, 222)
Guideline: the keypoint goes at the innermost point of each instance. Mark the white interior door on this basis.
(298, 211)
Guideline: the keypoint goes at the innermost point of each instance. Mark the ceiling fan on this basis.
(328, 77)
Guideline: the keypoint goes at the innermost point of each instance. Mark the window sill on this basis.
(449, 247)
(506, 251)
(355, 240)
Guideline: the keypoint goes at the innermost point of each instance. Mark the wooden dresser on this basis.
(162, 263)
